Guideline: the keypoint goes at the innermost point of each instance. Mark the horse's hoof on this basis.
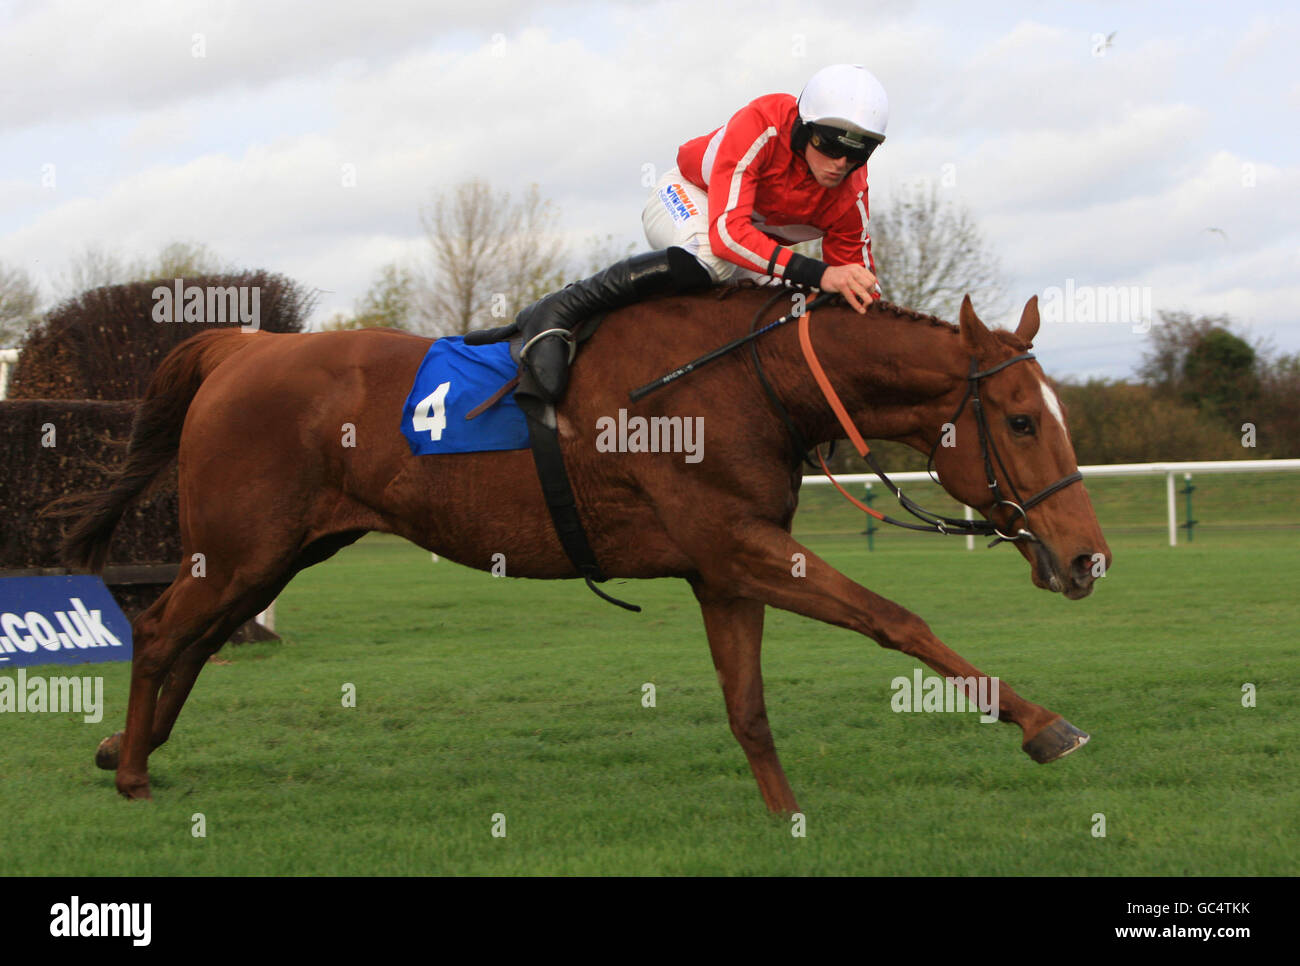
(1055, 741)
(138, 792)
(106, 754)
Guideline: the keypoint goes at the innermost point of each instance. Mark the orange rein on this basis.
(842, 414)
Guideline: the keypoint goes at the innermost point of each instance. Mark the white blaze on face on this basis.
(1053, 406)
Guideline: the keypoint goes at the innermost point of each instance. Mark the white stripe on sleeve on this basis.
(866, 238)
(710, 154)
(734, 196)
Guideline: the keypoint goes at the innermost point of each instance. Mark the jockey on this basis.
(781, 171)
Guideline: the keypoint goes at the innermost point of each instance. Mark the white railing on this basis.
(1167, 470)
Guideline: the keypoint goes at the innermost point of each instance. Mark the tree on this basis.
(1219, 375)
(533, 260)
(1123, 422)
(1164, 361)
(929, 254)
(94, 267)
(1201, 360)
(180, 259)
(603, 252)
(386, 304)
(1279, 417)
(488, 258)
(18, 303)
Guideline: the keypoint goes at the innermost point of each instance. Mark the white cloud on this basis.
(77, 58)
(1139, 232)
(163, 129)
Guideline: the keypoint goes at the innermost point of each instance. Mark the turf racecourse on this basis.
(477, 696)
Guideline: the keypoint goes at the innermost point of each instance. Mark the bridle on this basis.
(989, 449)
(931, 522)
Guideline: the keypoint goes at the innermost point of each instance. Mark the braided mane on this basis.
(912, 314)
(881, 305)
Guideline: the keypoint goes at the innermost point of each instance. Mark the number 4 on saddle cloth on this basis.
(455, 379)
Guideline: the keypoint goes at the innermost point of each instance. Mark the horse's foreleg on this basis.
(764, 566)
(735, 629)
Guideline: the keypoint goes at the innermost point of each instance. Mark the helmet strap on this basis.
(799, 135)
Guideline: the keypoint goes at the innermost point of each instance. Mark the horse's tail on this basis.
(155, 439)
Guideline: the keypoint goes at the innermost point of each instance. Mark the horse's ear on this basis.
(974, 333)
(1028, 327)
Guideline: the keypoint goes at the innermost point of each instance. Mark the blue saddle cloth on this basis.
(453, 379)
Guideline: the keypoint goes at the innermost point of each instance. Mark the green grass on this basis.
(478, 695)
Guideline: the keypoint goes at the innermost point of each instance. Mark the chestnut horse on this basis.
(267, 486)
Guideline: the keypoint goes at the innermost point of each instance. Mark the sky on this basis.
(1160, 165)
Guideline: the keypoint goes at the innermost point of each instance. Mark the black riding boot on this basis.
(548, 323)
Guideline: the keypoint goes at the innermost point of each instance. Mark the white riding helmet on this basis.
(847, 97)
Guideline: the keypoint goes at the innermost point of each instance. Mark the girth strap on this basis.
(544, 440)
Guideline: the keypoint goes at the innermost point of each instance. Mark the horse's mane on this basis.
(880, 305)
(913, 314)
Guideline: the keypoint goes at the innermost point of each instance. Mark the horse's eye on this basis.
(1021, 425)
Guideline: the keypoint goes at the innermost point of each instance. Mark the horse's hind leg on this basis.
(176, 658)
(175, 690)
(172, 640)
(178, 684)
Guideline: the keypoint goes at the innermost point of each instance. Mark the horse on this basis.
(267, 485)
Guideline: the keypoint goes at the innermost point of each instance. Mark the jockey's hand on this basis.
(854, 282)
(486, 336)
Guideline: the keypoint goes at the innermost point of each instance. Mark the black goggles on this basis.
(837, 143)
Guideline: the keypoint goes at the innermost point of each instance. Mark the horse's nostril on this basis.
(1089, 566)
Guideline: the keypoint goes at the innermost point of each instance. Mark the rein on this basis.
(636, 395)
